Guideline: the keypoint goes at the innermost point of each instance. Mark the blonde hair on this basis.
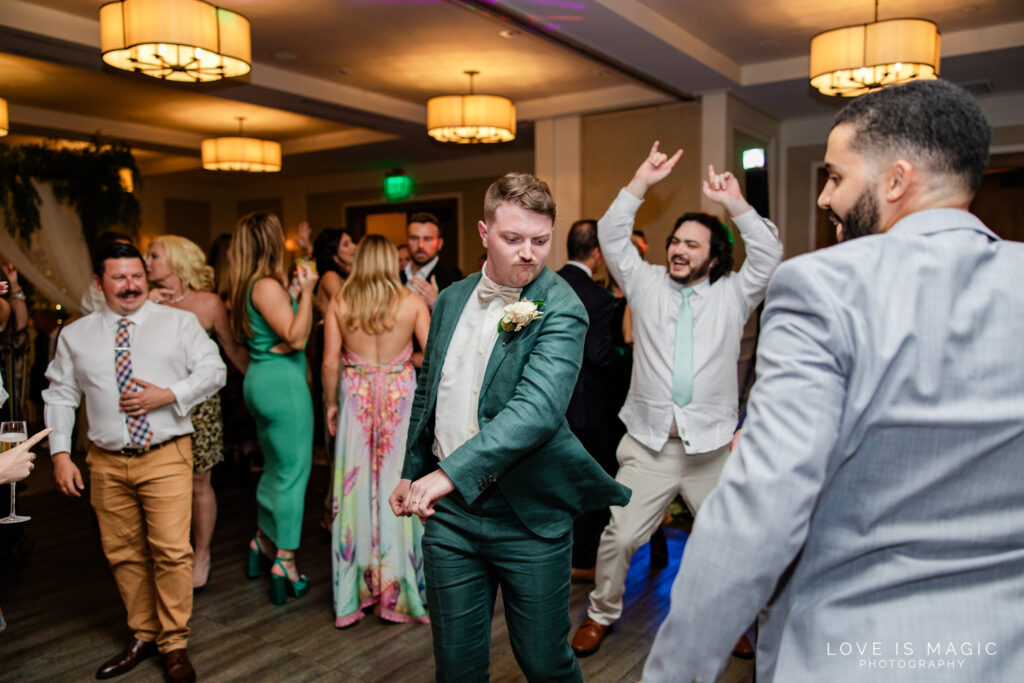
(187, 261)
(521, 189)
(257, 250)
(372, 290)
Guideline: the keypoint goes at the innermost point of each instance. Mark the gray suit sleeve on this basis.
(755, 522)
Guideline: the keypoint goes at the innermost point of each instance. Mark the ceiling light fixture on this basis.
(471, 118)
(240, 153)
(853, 60)
(175, 40)
(5, 126)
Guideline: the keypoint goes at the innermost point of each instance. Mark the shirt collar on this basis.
(939, 220)
(582, 266)
(483, 276)
(110, 318)
(699, 289)
(423, 272)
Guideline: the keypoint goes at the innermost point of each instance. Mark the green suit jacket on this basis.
(524, 445)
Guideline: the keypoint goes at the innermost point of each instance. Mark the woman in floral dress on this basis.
(368, 384)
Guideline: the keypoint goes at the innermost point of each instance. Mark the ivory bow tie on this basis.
(489, 289)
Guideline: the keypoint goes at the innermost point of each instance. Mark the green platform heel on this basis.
(281, 586)
(257, 559)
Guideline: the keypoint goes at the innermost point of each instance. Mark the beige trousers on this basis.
(655, 479)
(144, 508)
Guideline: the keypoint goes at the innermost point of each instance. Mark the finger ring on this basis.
(415, 500)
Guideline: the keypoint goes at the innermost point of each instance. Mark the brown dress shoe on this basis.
(588, 638)
(743, 649)
(178, 668)
(127, 660)
(583, 575)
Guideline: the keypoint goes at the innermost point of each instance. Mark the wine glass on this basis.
(11, 434)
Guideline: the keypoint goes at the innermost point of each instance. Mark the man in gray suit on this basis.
(874, 506)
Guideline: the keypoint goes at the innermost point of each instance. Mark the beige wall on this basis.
(801, 197)
(323, 195)
(614, 144)
(796, 230)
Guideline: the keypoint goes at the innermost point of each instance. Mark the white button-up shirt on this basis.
(720, 311)
(169, 349)
(465, 363)
(412, 271)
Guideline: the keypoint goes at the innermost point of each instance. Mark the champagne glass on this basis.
(11, 434)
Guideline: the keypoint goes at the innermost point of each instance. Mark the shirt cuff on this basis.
(181, 393)
(625, 196)
(59, 443)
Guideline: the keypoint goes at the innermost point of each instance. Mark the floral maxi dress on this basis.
(376, 557)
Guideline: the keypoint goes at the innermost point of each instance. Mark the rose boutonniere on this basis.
(519, 315)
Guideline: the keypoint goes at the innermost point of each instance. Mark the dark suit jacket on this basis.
(524, 445)
(445, 276)
(589, 407)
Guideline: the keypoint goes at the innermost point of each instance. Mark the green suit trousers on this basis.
(470, 550)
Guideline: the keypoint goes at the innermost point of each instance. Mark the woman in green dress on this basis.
(275, 326)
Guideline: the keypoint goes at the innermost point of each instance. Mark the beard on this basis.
(861, 220)
(697, 273)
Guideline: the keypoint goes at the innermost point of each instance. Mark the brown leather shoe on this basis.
(588, 637)
(743, 649)
(583, 575)
(128, 659)
(178, 668)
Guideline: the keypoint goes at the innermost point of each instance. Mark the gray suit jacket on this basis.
(875, 504)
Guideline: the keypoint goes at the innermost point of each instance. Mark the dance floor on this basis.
(65, 616)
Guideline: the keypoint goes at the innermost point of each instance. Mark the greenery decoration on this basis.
(87, 179)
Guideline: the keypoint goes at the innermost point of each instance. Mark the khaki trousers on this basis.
(144, 508)
(655, 478)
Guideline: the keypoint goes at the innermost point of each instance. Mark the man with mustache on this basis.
(425, 274)
(141, 367)
(681, 409)
(874, 498)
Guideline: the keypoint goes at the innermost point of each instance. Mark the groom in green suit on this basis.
(491, 465)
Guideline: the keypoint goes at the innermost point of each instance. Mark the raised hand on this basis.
(306, 276)
(11, 272)
(426, 290)
(654, 169)
(724, 189)
(303, 239)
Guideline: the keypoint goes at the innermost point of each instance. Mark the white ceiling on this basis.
(343, 83)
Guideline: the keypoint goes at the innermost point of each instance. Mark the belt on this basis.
(136, 451)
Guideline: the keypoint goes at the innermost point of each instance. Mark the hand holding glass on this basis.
(12, 434)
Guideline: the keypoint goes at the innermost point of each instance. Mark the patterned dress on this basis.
(376, 556)
(207, 434)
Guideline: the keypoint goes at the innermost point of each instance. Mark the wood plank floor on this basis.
(65, 616)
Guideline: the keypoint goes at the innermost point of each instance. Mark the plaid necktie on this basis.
(138, 427)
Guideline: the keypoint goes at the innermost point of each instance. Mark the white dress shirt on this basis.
(423, 272)
(169, 349)
(720, 311)
(582, 266)
(462, 374)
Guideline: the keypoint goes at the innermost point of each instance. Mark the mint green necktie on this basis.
(682, 369)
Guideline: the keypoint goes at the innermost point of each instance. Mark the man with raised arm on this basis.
(681, 410)
(872, 514)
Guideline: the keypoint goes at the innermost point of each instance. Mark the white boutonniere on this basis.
(519, 315)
